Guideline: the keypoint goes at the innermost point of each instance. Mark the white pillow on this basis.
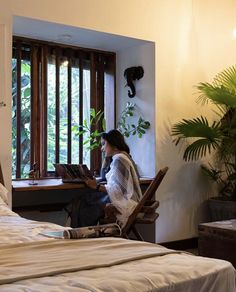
(3, 193)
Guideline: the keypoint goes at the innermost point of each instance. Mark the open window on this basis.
(53, 88)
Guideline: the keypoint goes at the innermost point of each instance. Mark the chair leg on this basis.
(137, 234)
(124, 235)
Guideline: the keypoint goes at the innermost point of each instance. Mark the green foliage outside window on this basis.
(96, 121)
(25, 117)
(51, 116)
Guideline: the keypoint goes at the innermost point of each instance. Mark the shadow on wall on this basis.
(183, 194)
(186, 176)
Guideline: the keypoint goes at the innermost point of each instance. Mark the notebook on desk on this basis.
(73, 173)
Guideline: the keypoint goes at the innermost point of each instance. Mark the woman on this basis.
(122, 186)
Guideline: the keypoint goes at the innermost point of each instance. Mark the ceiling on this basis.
(53, 32)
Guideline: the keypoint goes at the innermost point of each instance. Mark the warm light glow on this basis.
(234, 33)
(65, 63)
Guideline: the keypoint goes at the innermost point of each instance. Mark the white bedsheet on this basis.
(175, 272)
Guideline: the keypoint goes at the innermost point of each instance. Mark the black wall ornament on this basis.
(131, 74)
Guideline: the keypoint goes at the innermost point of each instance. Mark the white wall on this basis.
(5, 93)
(193, 41)
(142, 150)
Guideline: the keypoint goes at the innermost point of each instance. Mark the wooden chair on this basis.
(144, 213)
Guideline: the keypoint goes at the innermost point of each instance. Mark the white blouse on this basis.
(123, 186)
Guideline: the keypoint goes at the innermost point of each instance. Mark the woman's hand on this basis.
(91, 183)
(111, 211)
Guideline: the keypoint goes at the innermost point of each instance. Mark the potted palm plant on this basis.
(217, 138)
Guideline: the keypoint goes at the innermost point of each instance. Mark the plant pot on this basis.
(222, 208)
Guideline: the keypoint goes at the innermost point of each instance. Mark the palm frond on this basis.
(219, 136)
(199, 149)
(227, 78)
(213, 173)
(195, 128)
(219, 95)
(227, 148)
(221, 110)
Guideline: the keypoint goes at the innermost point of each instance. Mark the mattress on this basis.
(30, 261)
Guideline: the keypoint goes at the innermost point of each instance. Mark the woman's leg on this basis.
(91, 208)
(86, 210)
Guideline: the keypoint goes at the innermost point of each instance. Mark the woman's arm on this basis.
(92, 184)
(101, 188)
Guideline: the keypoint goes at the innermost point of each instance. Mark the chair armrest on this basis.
(150, 207)
(147, 218)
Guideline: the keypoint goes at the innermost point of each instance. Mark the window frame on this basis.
(101, 63)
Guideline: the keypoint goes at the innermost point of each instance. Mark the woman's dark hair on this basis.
(116, 139)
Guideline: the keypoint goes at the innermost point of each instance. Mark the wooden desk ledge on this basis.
(44, 184)
(54, 184)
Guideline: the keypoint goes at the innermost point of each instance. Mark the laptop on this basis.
(73, 173)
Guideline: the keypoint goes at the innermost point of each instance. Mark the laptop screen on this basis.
(70, 172)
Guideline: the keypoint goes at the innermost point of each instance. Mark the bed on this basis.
(31, 261)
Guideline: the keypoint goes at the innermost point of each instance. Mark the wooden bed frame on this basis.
(1, 175)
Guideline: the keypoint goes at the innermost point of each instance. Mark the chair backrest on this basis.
(1, 176)
(149, 193)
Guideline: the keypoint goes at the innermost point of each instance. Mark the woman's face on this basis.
(106, 148)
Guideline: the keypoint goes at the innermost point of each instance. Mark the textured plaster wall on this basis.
(193, 41)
